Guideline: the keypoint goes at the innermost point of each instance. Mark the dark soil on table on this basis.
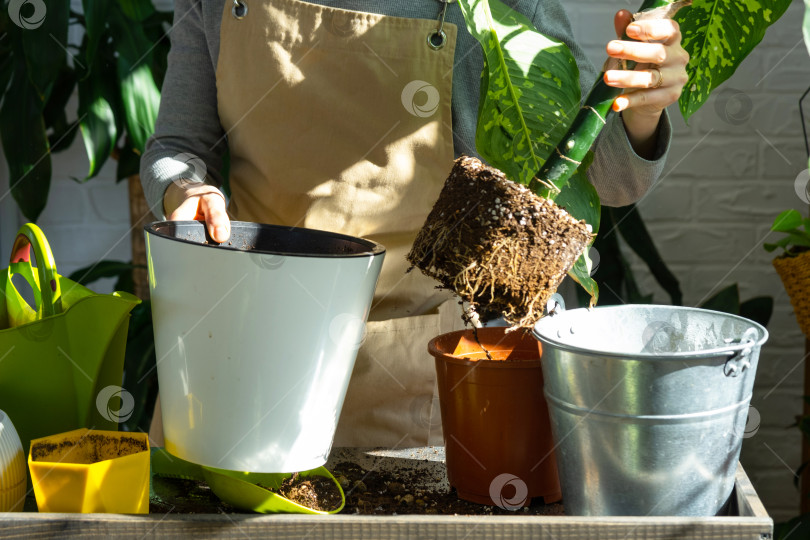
(368, 492)
(385, 493)
(176, 496)
(496, 244)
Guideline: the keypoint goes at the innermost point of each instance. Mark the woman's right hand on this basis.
(193, 201)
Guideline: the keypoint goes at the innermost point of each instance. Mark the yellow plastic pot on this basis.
(90, 471)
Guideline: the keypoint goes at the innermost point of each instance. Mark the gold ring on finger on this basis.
(660, 77)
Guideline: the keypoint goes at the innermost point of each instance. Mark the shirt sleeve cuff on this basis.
(620, 175)
(165, 169)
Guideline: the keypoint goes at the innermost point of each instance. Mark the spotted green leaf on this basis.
(529, 89)
(718, 35)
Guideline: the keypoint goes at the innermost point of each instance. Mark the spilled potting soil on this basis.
(381, 492)
(179, 496)
(315, 492)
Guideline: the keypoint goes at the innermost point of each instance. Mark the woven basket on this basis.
(795, 275)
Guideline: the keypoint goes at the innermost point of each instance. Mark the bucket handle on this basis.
(48, 293)
(555, 305)
(739, 360)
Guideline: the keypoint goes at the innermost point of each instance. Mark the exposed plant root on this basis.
(477, 340)
(496, 244)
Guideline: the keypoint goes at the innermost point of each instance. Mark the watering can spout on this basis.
(127, 297)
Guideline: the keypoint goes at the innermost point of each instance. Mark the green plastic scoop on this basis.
(240, 489)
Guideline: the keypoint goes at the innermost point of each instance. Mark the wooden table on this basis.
(749, 520)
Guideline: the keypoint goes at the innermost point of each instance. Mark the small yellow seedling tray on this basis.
(90, 471)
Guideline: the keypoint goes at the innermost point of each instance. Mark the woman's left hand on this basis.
(660, 73)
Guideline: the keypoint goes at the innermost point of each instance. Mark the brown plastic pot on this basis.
(497, 434)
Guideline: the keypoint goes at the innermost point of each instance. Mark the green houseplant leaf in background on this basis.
(118, 67)
(718, 35)
(139, 92)
(793, 264)
(25, 143)
(36, 56)
(796, 230)
(97, 120)
(45, 46)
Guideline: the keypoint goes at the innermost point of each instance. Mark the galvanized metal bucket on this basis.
(648, 405)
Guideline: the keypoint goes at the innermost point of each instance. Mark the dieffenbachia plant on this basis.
(531, 124)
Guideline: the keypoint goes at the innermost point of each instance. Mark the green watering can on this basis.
(55, 360)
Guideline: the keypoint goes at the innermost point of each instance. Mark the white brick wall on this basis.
(709, 217)
(729, 173)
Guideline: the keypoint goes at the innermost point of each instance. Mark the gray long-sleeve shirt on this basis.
(188, 122)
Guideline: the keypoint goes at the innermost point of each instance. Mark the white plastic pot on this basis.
(256, 340)
(13, 469)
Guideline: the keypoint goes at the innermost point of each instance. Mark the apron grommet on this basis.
(239, 9)
(436, 40)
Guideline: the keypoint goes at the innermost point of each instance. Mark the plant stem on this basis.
(587, 125)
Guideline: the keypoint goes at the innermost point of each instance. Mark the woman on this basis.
(345, 120)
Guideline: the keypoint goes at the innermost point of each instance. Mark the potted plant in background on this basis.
(793, 263)
(793, 266)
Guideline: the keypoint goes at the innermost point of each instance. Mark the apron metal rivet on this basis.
(436, 40)
(239, 9)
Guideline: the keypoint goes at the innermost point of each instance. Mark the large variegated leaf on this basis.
(529, 89)
(718, 35)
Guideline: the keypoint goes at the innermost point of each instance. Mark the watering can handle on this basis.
(30, 236)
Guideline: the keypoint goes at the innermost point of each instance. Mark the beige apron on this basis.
(340, 120)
